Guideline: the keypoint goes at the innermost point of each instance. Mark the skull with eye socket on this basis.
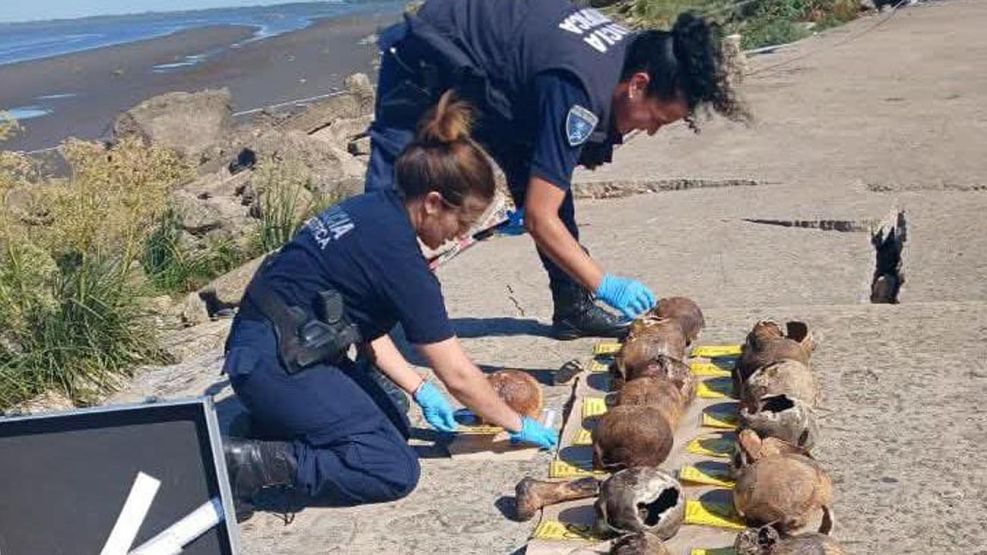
(786, 377)
(783, 417)
(641, 499)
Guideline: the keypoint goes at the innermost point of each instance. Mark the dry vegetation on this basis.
(79, 255)
(760, 22)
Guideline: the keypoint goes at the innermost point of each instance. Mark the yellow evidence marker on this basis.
(583, 437)
(716, 351)
(608, 348)
(713, 446)
(715, 388)
(720, 418)
(714, 551)
(562, 469)
(718, 515)
(563, 531)
(709, 477)
(708, 369)
(597, 365)
(594, 406)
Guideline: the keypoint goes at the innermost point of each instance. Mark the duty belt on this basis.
(304, 339)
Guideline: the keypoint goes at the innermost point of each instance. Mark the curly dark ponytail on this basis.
(686, 61)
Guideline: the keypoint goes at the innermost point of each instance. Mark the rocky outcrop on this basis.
(194, 124)
(330, 169)
(317, 155)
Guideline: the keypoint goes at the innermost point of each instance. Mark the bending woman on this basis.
(335, 435)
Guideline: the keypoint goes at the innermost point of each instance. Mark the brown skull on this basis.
(686, 312)
(657, 392)
(767, 344)
(639, 543)
(628, 436)
(787, 377)
(768, 541)
(783, 490)
(672, 369)
(751, 448)
(643, 499)
(782, 417)
(519, 390)
(653, 337)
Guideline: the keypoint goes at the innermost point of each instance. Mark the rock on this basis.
(192, 311)
(359, 85)
(199, 374)
(330, 168)
(359, 147)
(21, 202)
(343, 131)
(867, 5)
(194, 215)
(321, 114)
(229, 287)
(49, 401)
(206, 337)
(219, 184)
(194, 124)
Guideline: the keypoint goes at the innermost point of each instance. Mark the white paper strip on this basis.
(176, 536)
(132, 515)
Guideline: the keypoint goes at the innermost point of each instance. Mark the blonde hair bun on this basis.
(448, 122)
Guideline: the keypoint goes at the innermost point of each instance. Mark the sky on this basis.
(31, 10)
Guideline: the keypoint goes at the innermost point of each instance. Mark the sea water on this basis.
(21, 42)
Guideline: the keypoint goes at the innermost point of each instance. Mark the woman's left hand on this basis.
(436, 409)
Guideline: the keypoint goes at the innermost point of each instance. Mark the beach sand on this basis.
(108, 80)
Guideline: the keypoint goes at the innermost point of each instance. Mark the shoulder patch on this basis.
(579, 124)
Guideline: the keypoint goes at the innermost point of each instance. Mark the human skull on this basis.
(642, 499)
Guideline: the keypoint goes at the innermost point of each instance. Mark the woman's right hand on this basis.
(535, 433)
(470, 386)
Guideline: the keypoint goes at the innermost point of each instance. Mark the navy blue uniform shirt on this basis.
(366, 248)
(554, 95)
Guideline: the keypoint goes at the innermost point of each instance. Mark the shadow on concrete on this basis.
(506, 504)
(499, 327)
(232, 416)
(217, 388)
(437, 446)
(544, 376)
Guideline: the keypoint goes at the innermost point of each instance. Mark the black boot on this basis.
(254, 465)
(577, 315)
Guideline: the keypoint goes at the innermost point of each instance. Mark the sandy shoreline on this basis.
(105, 81)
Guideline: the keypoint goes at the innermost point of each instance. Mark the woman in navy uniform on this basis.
(334, 434)
(555, 85)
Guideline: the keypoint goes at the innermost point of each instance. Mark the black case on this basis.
(64, 477)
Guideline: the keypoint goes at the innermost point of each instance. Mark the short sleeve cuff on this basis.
(552, 177)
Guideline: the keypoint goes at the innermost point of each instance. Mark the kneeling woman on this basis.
(335, 435)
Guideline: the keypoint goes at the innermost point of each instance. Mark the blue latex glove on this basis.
(630, 297)
(533, 432)
(437, 411)
(515, 223)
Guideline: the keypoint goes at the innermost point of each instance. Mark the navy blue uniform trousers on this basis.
(345, 430)
(395, 120)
